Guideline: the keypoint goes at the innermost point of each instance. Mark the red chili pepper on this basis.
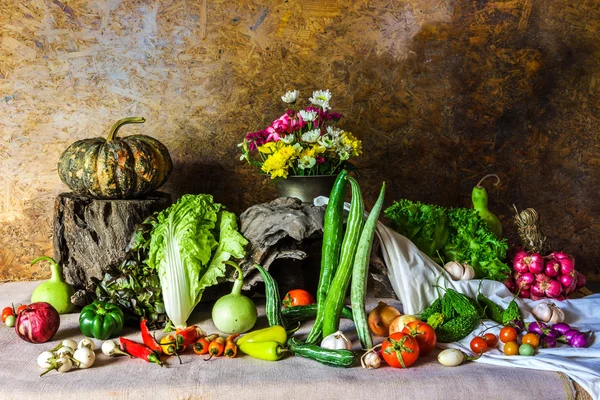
(189, 335)
(148, 339)
(140, 351)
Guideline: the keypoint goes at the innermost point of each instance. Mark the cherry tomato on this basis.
(478, 345)
(298, 297)
(531, 338)
(424, 334)
(491, 339)
(6, 312)
(526, 350)
(21, 308)
(400, 350)
(508, 334)
(511, 349)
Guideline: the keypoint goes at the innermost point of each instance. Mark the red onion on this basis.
(525, 280)
(37, 323)
(581, 280)
(536, 263)
(552, 268)
(554, 289)
(509, 283)
(524, 293)
(567, 280)
(538, 289)
(567, 265)
(559, 255)
(561, 327)
(542, 278)
(534, 297)
(519, 264)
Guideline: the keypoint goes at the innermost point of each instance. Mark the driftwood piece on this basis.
(90, 235)
(276, 230)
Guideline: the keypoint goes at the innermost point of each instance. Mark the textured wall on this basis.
(441, 92)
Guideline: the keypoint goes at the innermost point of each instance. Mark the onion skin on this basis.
(37, 323)
(381, 317)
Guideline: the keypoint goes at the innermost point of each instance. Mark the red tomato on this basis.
(491, 339)
(6, 312)
(424, 334)
(298, 297)
(508, 334)
(478, 345)
(400, 350)
(21, 308)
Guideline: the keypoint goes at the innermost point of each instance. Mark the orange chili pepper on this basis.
(216, 347)
(230, 346)
(201, 346)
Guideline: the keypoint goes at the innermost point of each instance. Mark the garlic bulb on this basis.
(459, 272)
(370, 359)
(548, 312)
(336, 341)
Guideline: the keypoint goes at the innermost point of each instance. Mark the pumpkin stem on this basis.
(124, 121)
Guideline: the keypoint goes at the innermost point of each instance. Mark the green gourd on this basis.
(479, 197)
(55, 290)
(234, 312)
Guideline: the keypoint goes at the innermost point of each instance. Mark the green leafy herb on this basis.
(457, 234)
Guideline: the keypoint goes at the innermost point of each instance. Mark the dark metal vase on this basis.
(306, 188)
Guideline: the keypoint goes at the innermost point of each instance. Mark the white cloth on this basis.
(413, 276)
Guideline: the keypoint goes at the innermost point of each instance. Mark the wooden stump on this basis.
(90, 235)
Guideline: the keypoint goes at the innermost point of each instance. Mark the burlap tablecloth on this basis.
(246, 378)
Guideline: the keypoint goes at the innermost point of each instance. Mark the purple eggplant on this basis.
(579, 340)
(548, 342)
(561, 327)
(537, 327)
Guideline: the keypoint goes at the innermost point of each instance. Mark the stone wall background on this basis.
(441, 92)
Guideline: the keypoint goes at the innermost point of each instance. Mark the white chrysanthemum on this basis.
(321, 98)
(343, 154)
(308, 116)
(327, 141)
(311, 136)
(306, 162)
(290, 97)
(298, 148)
(334, 132)
(288, 139)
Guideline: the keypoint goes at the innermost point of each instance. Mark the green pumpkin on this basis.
(116, 168)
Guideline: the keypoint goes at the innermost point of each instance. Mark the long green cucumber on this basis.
(335, 358)
(360, 272)
(302, 313)
(339, 284)
(273, 298)
(333, 228)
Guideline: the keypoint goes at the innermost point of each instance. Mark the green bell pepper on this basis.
(101, 320)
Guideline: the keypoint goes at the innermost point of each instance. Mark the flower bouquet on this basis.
(302, 142)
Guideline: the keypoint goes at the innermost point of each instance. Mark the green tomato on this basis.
(10, 321)
(526, 350)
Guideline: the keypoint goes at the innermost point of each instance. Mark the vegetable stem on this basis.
(239, 281)
(124, 121)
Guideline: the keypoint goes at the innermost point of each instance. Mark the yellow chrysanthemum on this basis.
(351, 141)
(268, 148)
(277, 164)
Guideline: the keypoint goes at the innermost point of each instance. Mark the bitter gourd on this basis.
(492, 310)
(460, 304)
(435, 320)
(457, 328)
(435, 307)
(511, 313)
